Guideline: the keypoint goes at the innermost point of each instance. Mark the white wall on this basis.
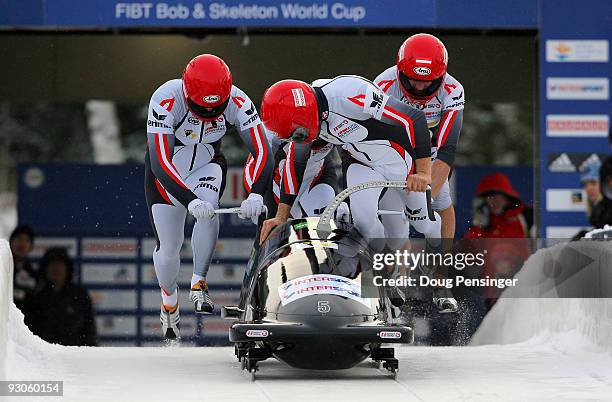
(6, 298)
(556, 301)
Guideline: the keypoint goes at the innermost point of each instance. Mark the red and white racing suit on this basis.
(444, 114)
(382, 137)
(184, 162)
(319, 182)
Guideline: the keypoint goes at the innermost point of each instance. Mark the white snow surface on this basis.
(559, 363)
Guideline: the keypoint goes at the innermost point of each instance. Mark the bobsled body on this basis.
(303, 303)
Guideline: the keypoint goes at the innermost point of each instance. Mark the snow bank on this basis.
(22, 354)
(28, 356)
(6, 298)
(565, 300)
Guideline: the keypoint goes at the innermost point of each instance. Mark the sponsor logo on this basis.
(345, 128)
(323, 306)
(193, 120)
(565, 200)
(456, 104)
(251, 110)
(207, 178)
(456, 98)
(577, 51)
(576, 125)
(250, 120)
(422, 70)
(257, 333)
(389, 334)
(157, 124)
(319, 284)
(562, 164)
(593, 158)
(377, 100)
(411, 214)
(449, 88)
(167, 104)
(159, 117)
(208, 186)
(298, 97)
(562, 232)
(211, 98)
(190, 133)
(374, 103)
(300, 225)
(577, 88)
(413, 211)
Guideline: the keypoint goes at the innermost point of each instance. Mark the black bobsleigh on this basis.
(301, 302)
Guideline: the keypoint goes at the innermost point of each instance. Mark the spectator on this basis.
(601, 214)
(589, 178)
(498, 210)
(60, 311)
(498, 213)
(24, 274)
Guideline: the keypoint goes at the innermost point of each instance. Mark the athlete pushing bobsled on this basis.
(185, 172)
(386, 139)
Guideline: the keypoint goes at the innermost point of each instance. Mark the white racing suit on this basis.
(184, 162)
(319, 182)
(382, 137)
(444, 114)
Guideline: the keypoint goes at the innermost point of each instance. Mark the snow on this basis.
(6, 299)
(8, 214)
(552, 362)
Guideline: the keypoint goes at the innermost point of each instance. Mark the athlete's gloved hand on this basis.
(251, 207)
(201, 209)
(343, 213)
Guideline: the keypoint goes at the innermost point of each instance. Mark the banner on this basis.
(269, 13)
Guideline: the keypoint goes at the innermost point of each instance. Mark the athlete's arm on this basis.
(439, 173)
(293, 172)
(243, 115)
(255, 140)
(415, 124)
(447, 136)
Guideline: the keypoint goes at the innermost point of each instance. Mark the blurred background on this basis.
(78, 78)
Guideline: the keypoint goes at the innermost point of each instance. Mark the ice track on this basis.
(551, 362)
(547, 368)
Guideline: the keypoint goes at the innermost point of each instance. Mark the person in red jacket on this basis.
(499, 213)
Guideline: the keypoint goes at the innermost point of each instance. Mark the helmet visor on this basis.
(207, 113)
(416, 93)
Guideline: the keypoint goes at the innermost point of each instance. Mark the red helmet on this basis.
(207, 83)
(422, 57)
(289, 109)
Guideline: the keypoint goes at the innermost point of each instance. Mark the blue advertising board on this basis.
(270, 13)
(575, 106)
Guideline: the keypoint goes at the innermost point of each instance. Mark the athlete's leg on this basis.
(444, 205)
(167, 217)
(364, 204)
(207, 183)
(416, 209)
(322, 189)
(314, 201)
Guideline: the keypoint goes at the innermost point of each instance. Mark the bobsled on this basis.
(302, 301)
